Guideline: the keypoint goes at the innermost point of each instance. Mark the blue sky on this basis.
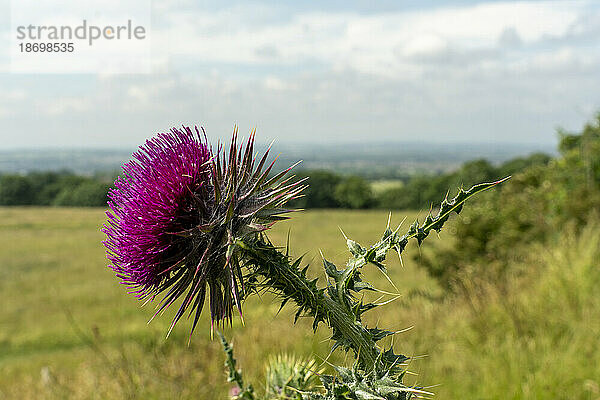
(444, 71)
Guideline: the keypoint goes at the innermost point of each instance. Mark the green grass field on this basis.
(69, 330)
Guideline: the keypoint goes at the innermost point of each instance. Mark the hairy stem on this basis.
(355, 332)
(233, 375)
(286, 279)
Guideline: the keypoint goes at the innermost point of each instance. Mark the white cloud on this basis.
(65, 105)
(507, 71)
(389, 44)
(275, 83)
(11, 101)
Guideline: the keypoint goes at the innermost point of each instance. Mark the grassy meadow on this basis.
(69, 330)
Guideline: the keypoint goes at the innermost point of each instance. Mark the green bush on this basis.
(532, 208)
(15, 190)
(321, 189)
(520, 164)
(424, 190)
(47, 185)
(53, 188)
(354, 192)
(87, 194)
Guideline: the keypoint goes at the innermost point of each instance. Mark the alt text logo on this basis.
(85, 31)
(71, 36)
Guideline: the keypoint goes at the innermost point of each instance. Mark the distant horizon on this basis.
(287, 144)
(399, 158)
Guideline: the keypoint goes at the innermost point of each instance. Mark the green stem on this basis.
(351, 329)
(286, 279)
(246, 392)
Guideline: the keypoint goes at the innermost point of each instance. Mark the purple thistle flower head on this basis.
(178, 213)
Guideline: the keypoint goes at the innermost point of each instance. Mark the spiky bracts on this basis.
(177, 215)
(246, 200)
(287, 376)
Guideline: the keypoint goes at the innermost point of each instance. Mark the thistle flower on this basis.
(178, 213)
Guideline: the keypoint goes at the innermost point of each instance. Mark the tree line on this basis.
(53, 189)
(327, 189)
(330, 190)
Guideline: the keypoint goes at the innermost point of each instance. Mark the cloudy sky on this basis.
(446, 71)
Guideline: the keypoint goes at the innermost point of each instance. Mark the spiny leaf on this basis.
(378, 334)
(446, 208)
